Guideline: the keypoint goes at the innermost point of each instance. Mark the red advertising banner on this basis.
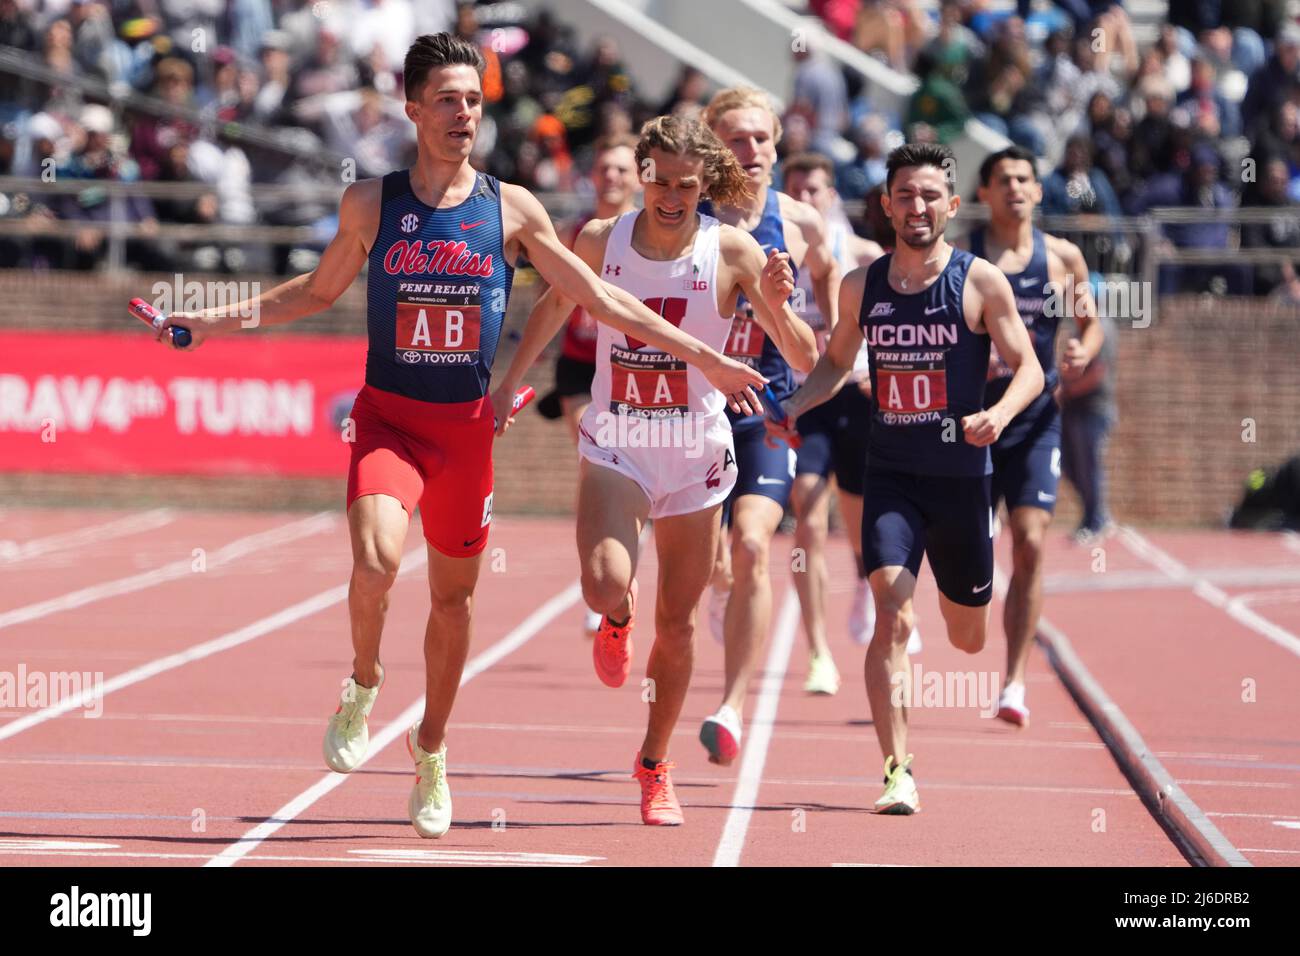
(249, 404)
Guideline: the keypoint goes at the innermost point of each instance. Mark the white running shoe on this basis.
(590, 624)
(348, 736)
(430, 803)
(720, 735)
(1011, 705)
(718, 613)
(823, 677)
(900, 797)
(862, 615)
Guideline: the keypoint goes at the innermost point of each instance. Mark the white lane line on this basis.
(1128, 748)
(1235, 608)
(11, 551)
(287, 813)
(367, 857)
(171, 571)
(732, 841)
(296, 612)
(1252, 816)
(1155, 580)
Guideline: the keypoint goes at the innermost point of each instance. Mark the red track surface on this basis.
(185, 762)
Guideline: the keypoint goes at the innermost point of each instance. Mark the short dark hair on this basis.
(918, 154)
(433, 51)
(1011, 152)
(807, 162)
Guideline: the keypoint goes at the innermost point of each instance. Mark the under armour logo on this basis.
(410, 222)
(613, 270)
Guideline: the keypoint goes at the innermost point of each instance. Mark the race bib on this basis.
(437, 323)
(745, 343)
(912, 388)
(650, 384)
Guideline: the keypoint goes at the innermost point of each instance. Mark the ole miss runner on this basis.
(440, 240)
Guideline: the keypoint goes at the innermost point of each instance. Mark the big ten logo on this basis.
(198, 561)
(498, 563)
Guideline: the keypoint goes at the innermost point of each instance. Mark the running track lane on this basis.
(1179, 653)
(605, 819)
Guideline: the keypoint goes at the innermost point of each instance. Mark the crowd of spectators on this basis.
(1202, 117)
(236, 93)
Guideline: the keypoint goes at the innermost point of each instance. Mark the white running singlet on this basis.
(653, 417)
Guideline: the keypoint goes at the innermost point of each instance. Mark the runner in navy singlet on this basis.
(741, 609)
(440, 239)
(1042, 270)
(928, 312)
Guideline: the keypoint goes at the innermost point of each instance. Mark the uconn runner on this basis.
(1042, 270)
(655, 442)
(927, 312)
(741, 609)
(439, 239)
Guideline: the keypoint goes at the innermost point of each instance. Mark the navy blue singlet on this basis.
(748, 342)
(927, 373)
(1030, 287)
(436, 293)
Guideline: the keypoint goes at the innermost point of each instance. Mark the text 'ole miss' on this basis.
(412, 257)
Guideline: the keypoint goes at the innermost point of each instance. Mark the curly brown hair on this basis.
(725, 181)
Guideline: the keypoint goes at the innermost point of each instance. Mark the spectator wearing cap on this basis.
(152, 136)
(554, 167)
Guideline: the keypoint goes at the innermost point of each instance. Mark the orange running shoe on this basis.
(611, 651)
(659, 806)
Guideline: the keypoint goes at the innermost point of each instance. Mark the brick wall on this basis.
(1177, 456)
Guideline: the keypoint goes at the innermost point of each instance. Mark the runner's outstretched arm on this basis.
(767, 283)
(302, 295)
(836, 363)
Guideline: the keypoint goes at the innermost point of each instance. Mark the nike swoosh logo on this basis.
(471, 225)
(938, 308)
(1025, 283)
(770, 481)
(978, 590)
(470, 544)
(1042, 496)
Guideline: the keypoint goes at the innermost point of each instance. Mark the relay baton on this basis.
(772, 406)
(145, 312)
(522, 398)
